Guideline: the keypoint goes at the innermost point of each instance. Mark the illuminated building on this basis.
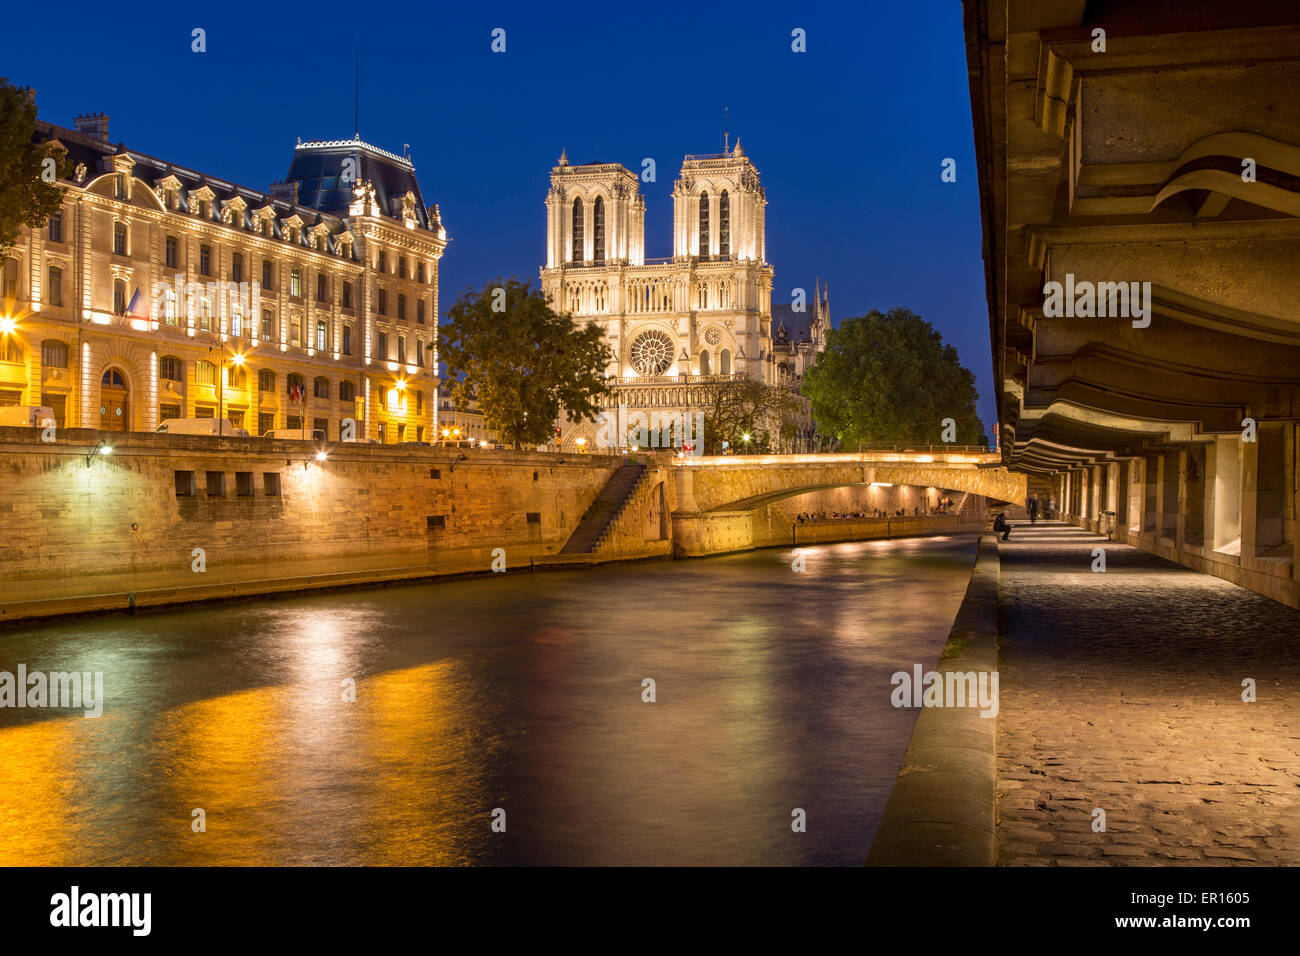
(312, 301)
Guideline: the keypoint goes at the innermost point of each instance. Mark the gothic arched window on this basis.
(724, 362)
(704, 361)
(578, 254)
(598, 230)
(724, 224)
(704, 225)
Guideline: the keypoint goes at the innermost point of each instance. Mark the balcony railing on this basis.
(678, 379)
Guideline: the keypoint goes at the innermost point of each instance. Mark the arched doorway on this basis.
(114, 404)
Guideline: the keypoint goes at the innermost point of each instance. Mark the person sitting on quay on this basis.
(1000, 524)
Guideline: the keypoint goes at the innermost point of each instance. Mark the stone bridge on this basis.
(718, 497)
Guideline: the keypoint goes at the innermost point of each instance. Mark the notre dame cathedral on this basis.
(701, 316)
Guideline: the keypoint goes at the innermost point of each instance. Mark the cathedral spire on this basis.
(564, 157)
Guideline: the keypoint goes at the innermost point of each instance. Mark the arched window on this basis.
(236, 377)
(347, 392)
(704, 361)
(598, 230)
(293, 385)
(724, 362)
(205, 373)
(724, 224)
(704, 225)
(320, 388)
(578, 254)
(266, 380)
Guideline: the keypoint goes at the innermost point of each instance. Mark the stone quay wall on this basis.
(171, 512)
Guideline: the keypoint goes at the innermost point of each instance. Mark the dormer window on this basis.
(119, 186)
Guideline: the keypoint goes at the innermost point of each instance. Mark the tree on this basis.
(29, 193)
(739, 407)
(888, 377)
(507, 348)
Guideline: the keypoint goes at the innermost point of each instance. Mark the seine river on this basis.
(523, 693)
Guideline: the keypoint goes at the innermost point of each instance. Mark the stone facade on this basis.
(154, 283)
(676, 325)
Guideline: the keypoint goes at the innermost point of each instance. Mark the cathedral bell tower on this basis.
(595, 215)
(718, 206)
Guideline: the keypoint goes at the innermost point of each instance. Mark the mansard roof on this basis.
(318, 169)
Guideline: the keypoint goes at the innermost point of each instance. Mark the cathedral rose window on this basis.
(713, 336)
(652, 353)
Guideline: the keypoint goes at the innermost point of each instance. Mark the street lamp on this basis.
(103, 448)
(236, 359)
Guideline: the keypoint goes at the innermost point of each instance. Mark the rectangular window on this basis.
(236, 268)
(205, 260)
(295, 283)
(169, 368)
(435, 522)
(295, 331)
(205, 411)
(119, 297)
(383, 433)
(216, 484)
(271, 484)
(55, 290)
(347, 295)
(435, 473)
(268, 325)
(347, 340)
(320, 388)
(383, 261)
(168, 411)
(419, 402)
(321, 287)
(401, 349)
(243, 484)
(185, 484)
(381, 347)
(322, 425)
(265, 422)
(293, 421)
(419, 311)
(383, 302)
(420, 272)
(170, 253)
(419, 353)
(533, 517)
(401, 306)
(119, 239)
(56, 227)
(322, 336)
(268, 273)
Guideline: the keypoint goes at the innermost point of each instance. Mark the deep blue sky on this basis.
(848, 136)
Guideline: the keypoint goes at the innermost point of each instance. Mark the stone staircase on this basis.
(609, 504)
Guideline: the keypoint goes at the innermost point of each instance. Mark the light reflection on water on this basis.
(522, 692)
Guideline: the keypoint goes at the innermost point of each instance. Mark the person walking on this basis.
(1032, 506)
(1051, 506)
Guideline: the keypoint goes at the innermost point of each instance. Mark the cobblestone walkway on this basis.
(1123, 691)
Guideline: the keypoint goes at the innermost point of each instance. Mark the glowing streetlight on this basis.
(321, 456)
(7, 325)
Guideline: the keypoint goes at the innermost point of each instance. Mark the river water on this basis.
(522, 692)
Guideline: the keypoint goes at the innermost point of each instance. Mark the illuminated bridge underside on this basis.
(739, 484)
(1172, 161)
